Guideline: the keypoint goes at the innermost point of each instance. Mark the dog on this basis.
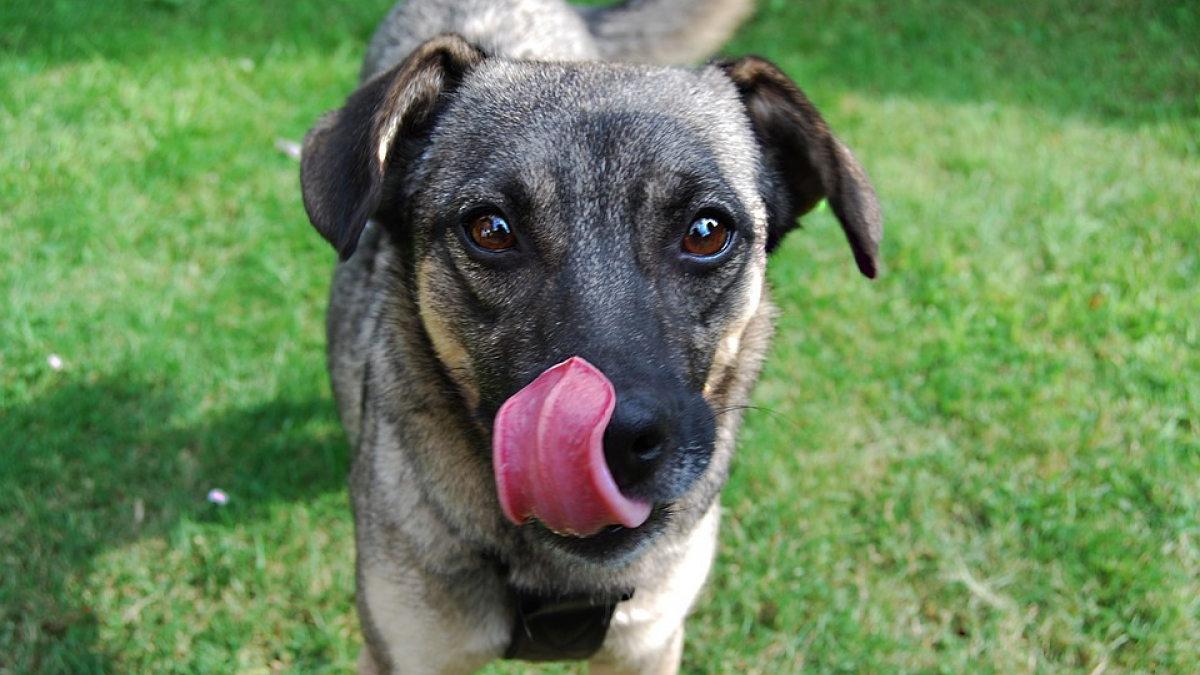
(549, 309)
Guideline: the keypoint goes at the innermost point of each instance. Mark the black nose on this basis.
(636, 438)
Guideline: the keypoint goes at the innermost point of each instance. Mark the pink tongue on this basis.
(548, 452)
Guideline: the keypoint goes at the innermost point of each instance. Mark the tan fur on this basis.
(646, 635)
(449, 350)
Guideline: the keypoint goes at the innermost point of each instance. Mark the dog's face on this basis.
(616, 214)
(593, 220)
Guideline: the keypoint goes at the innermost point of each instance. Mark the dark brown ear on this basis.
(346, 154)
(807, 159)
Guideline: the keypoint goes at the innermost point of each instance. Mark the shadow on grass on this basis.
(147, 31)
(96, 465)
(1125, 63)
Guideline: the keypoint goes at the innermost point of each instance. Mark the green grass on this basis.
(986, 462)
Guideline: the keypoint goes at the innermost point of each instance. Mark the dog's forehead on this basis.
(526, 112)
(602, 85)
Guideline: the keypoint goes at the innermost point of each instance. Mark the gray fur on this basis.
(601, 167)
(529, 29)
(644, 31)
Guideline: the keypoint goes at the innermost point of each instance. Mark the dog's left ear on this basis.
(807, 159)
(347, 153)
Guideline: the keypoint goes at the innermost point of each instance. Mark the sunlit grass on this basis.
(987, 461)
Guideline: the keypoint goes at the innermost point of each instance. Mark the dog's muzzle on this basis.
(549, 455)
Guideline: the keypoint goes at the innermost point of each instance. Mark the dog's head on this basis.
(588, 245)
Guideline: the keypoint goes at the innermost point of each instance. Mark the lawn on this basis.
(987, 461)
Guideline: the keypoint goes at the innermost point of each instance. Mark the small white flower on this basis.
(55, 362)
(288, 147)
(218, 497)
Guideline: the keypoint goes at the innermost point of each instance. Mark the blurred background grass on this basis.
(988, 461)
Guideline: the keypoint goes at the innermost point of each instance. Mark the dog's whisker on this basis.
(756, 408)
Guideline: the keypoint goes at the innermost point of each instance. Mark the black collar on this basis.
(560, 628)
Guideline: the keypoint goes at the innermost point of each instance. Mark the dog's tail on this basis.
(665, 31)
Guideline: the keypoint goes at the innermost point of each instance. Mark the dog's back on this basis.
(644, 31)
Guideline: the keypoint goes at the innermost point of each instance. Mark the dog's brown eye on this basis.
(491, 232)
(706, 237)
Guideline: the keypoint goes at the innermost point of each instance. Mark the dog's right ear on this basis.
(346, 154)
